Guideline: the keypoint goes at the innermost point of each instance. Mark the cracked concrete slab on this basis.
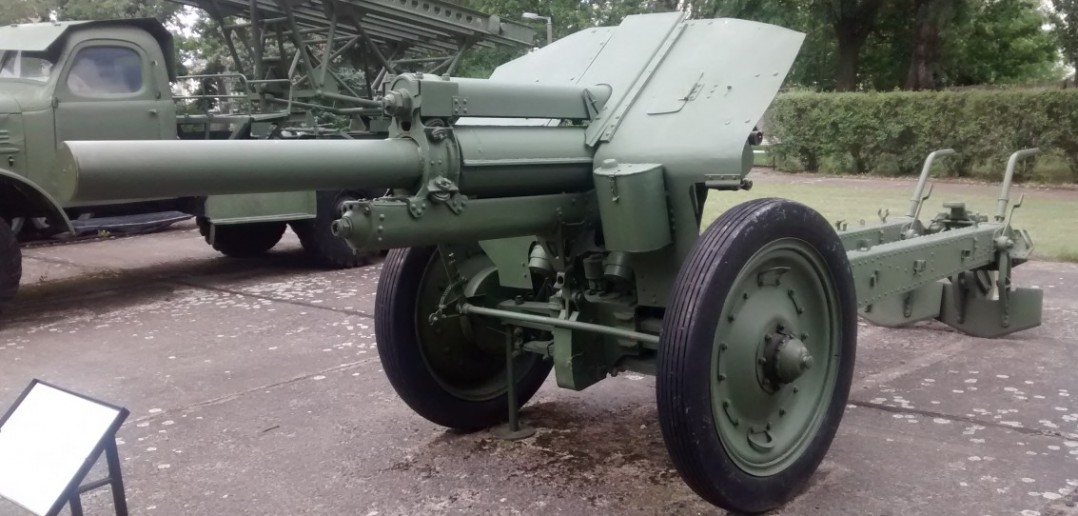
(255, 389)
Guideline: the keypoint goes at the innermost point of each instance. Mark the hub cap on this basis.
(775, 357)
(786, 359)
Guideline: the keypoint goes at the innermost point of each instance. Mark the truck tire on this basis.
(242, 240)
(10, 264)
(323, 248)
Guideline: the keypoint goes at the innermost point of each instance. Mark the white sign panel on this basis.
(46, 441)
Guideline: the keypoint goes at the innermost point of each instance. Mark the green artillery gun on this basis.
(550, 218)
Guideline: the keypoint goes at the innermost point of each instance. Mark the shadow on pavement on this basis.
(109, 290)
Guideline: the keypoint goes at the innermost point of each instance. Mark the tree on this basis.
(999, 42)
(853, 21)
(965, 42)
(163, 10)
(25, 11)
(1065, 19)
(931, 18)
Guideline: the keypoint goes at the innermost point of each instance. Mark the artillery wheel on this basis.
(757, 354)
(10, 264)
(325, 249)
(451, 372)
(242, 240)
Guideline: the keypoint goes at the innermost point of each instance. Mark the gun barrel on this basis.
(107, 170)
(495, 162)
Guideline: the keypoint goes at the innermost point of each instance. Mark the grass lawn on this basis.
(1052, 220)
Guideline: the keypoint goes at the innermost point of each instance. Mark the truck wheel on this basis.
(10, 264)
(757, 354)
(318, 241)
(451, 372)
(242, 240)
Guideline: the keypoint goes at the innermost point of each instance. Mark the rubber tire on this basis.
(10, 264)
(243, 240)
(402, 359)
(683, 383)
(321, 246)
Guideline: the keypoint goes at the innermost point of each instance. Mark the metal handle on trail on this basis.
(918, 198)
(1005, 191)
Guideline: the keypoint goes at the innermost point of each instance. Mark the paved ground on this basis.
(255, 388)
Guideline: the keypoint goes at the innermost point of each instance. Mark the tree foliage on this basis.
(163, 10)
(849, 45)
(915, 44)
(1065, 19)
(25, 11)
(999, 42)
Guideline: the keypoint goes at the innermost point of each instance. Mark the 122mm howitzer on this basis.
(550, 218)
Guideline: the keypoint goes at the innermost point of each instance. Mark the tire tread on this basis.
(684, 434)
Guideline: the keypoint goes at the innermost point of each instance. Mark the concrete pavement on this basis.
(255, 388)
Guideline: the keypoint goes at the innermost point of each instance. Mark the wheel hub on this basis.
(786, 358)
(773, 358)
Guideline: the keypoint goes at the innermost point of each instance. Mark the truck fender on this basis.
(20, 197)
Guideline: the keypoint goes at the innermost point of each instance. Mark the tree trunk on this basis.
(921, 74)
(849, 59)
(853, 21)
(926, 45)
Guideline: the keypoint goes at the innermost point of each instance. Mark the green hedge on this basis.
(893, 132)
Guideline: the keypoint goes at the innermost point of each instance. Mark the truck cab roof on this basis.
(38, 37)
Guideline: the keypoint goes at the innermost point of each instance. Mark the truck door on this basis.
(106, 92)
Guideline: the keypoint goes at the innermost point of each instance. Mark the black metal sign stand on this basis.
(103, 443)
(115, 480)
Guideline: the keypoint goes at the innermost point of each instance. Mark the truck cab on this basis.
(74, 80)
(113, 80)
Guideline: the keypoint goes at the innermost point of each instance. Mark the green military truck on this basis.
(116, 80)
(111, 80)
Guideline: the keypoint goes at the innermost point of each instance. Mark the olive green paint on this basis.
(635, 219)
(583, 169)
(472, 160)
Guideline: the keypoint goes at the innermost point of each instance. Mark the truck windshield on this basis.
(17, 64)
